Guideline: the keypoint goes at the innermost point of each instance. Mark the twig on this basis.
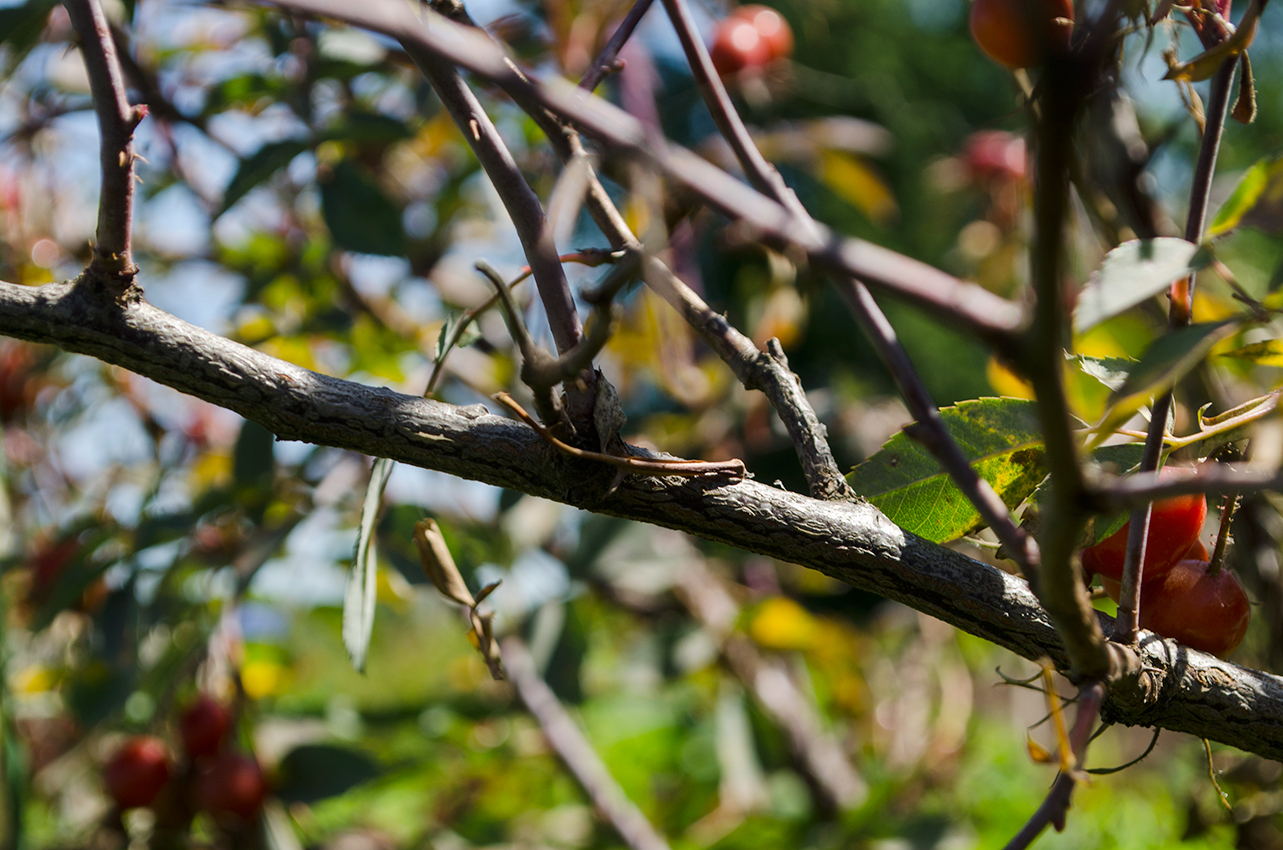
(609, 57)
(964, 305)
(1128, 624)
(1212, 479)
(113, 260)
(930, 430)
(629, 464)
(576, 752)
(1066, 81)
(1055, 806)
(765, 371)
(532, 226)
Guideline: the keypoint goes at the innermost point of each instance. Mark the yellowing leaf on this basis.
(262, 678)
(859, 185)
(781, 624)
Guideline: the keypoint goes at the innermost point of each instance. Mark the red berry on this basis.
(772, 27)
(751, 37)
(1019, 33)
(203, 726)
(1174, 526)
(738, 45)
(995, 155)
(137, 772)
(1189, 604)
(230, 784)
(1197, 552)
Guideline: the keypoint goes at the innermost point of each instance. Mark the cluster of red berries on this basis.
(749, 39)
(1182, 596)
(1021, 33)
(217, 779)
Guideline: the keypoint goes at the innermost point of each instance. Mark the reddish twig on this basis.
(629, 464)
(116, 122)
(1126, 628)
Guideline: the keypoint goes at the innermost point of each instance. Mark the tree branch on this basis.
(1180, 689)
(964, 305)
(609, 56)
(532, 226)
(112, 260)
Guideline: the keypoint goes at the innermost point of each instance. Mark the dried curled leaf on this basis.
(439, 564)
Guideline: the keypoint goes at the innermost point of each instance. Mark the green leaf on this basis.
(445, 339)
(360, 217)
(367, 127)
(1268, 353)
(1110, 371)
(1164, 363)
(259, 166)
(1132, 272)
(252, 458)
(362, 578)
(314, 772)
(1002, 439)
(20, 28)
(1264, 180)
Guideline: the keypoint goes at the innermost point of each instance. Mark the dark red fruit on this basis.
(1019, 33)
(230, 784)
(1174, 526)
(137, 772)
(1197, 552)
(1205, 611)
(203, 726)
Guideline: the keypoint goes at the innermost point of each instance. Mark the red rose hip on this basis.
(1174, 526)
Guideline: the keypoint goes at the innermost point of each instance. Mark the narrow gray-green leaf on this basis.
(1132, 272)
(362, 578)
(1002, 439)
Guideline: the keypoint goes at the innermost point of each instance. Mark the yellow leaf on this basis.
(782, 624)
(859, 185)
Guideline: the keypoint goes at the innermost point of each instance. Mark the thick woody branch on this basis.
(1180, 689)
(964, 305)
(116, 123)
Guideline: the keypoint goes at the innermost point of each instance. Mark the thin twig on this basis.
(609, 57)
(964, 305)
(113, 259)
(931, 430)
(629, 464)
(576, 751)
(1211, 479)
(765, 371)
(1056, 804)
(1126, 629)
(532, 226)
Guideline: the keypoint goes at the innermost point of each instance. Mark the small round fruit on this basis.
(737, 45)
(230, 784)
(1114, 590)
(995, 155)
(772, 27)
(1019, 33)
(1206, 612)
(203, 726)
(1174, 526)
(136, 772)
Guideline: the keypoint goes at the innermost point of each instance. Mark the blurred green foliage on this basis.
(305, 194)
